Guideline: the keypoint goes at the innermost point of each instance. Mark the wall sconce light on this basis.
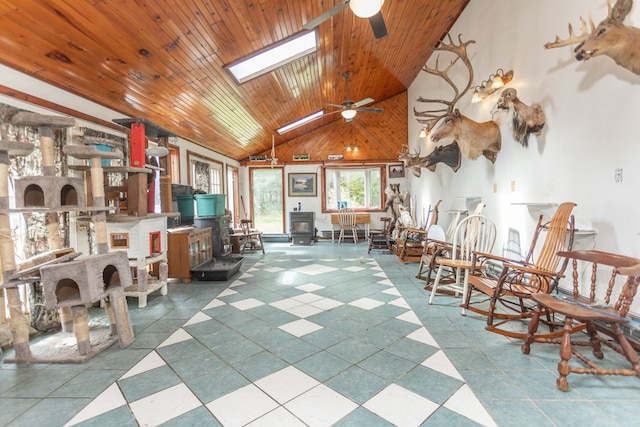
(423, 133)
(353, 148)
(493, 83)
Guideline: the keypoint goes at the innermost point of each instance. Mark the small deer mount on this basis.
(611, 38)
(524, 119)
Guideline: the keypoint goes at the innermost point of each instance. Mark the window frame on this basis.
(383, 185)
(213, 164)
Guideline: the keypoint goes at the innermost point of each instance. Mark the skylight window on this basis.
(274, 57)
(300, 122)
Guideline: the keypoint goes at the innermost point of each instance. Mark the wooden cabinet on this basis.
(188, 247)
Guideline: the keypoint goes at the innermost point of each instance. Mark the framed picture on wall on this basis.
(302, 184)
(396, 171)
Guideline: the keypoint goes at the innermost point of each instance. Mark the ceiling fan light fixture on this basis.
(365, 8)
(349, 114)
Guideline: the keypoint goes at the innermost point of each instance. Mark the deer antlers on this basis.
(611, 38)
(435, 114)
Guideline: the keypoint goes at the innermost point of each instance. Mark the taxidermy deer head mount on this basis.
(411, 161)
(611, 38)
(473, 138)
(525, 119)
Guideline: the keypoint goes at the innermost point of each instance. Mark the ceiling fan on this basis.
(371, 9)
(349, 108)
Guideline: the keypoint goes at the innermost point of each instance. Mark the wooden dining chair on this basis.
(509, 292)
(347, 218)
(597, 310)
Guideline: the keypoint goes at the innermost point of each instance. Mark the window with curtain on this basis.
(360, 188)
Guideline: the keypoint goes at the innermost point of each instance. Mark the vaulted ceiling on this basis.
(163, 61)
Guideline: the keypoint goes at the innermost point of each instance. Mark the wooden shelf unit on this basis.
(188, 247)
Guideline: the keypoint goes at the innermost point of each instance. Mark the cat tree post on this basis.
(18, 322)
(46, 126)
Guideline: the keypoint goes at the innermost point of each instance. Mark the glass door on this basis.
(267, 199)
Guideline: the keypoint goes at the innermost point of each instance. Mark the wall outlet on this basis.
(513, 186)
(618, 175)
(495, 187)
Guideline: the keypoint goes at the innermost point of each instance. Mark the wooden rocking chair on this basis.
(509, 293)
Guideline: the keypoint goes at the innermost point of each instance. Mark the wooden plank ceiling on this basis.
(163, 60)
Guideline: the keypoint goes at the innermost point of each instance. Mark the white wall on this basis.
(591, 129)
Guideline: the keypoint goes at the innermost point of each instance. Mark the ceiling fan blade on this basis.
(336, 105)
(370, 109)
(364, 102)
(378, 26)
(326, 15)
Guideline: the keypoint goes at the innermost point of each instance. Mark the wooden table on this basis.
(361, 218)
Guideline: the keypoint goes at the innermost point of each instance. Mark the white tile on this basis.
(399, 302)
(165, 405)
(385, 282)
(246, 304)
(423, 336)
(300, 327)
(400, 406)
(286, 384)
(354, 268)
(381, 274)
(242, 406)
(279, 417)
(310, 287)
(441, 363)
(320, 406)
(465, 403)
(307, 298)
(409, 316)
(366, 303)
(178, 336)
(149, 362)
(274, 269)
(286, 304)
(392, 291)
(245, 275)
(326, 303)
(197, 318)
(304, 311)
(227, 292)
(215, 303)
(106, 401)
(237, 283)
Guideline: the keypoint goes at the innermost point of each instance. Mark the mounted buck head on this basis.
(444, 121)
(411, 161)
(611, 38)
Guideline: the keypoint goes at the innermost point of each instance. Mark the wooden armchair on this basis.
(602, 319)
(509, 293)
(252, 237)
(381, 238)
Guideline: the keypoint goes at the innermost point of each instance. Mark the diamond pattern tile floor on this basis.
(308, 340)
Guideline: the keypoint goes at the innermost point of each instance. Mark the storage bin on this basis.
(185, 205)
(210, 204)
